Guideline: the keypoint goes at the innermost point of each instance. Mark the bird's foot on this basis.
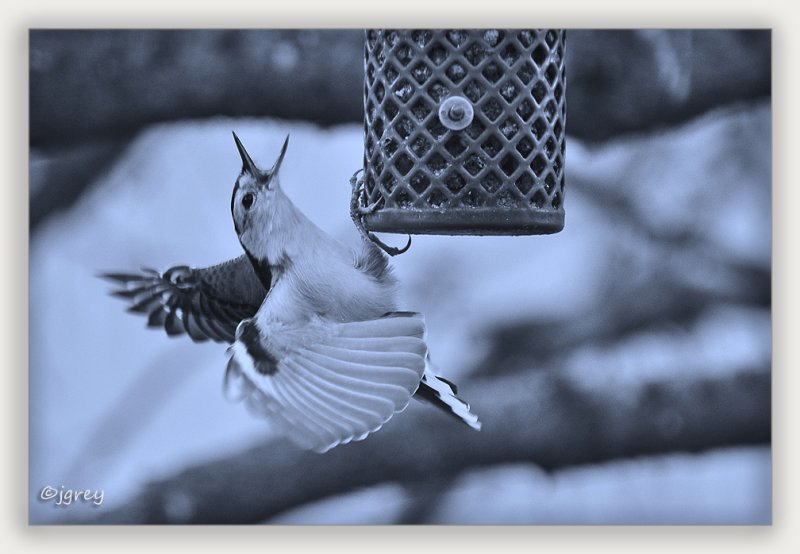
(391, 250)
(360, 195)
(358, 210)
(365, 210)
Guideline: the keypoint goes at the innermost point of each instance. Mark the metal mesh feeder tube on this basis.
(464, 131)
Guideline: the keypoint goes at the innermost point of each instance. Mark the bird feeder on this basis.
(464, 131)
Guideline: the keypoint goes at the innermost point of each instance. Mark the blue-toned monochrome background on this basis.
(621, 367)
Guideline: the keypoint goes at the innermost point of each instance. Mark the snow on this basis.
(722, 487)
(711, 177)
(724, 340)
(379, 505)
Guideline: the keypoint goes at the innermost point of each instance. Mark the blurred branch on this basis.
(627, 81)
(90, 83)
(548, 419)
(103, 82)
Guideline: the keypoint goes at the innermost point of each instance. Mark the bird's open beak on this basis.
(248, 166)
(277, 165)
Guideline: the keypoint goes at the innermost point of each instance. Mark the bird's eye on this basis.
(247, 200)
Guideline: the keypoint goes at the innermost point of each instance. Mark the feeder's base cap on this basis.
(471, 221)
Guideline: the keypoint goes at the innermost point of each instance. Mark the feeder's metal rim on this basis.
(453, 221)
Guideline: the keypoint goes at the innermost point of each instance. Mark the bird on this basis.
(317, 342)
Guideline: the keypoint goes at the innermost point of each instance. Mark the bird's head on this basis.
(254, 195)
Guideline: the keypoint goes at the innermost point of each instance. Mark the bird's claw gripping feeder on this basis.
(464, 132)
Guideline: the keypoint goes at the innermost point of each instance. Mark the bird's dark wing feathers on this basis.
(205, 303)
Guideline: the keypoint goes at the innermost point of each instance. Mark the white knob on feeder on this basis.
(456, 113)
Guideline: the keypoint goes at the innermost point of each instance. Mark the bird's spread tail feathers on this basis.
(443, 394)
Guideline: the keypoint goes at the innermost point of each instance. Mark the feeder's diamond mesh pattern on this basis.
(504, 173)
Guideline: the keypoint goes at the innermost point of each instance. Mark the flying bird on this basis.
(317, 343)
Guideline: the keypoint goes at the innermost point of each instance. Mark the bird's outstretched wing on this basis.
(206, 303)
(326, 383)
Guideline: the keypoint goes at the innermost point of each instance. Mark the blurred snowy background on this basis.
(621, 367)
